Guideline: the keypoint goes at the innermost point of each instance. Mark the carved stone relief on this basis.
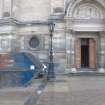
(85, 9)
(88, 11)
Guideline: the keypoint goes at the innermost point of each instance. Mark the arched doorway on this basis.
(85, 53)
(85, 17)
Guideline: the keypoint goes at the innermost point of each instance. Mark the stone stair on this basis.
(86, 72)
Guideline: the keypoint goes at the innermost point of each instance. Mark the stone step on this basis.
(87, 73)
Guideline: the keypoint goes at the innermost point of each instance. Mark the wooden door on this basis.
(92, 53)
(78, 53)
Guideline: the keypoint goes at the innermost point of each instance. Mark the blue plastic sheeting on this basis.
(19, 74)
(21, 60)
(26, 76)
(15, 78)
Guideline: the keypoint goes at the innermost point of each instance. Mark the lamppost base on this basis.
(51, 79)
(51, 73)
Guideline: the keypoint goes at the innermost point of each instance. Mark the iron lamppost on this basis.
(51, 73)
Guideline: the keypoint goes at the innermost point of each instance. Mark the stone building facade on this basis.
(78, 38)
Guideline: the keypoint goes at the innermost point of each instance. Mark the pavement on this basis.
(20, 95)
(74, 90)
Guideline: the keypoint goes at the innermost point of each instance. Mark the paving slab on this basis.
(76, 90)
(85, 90)
(18, 95)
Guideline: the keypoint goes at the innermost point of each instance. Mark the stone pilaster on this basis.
(70, 50)
(7, 8)
(102, 52)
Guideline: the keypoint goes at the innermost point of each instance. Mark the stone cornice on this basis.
(12, 21)
(68, 19)
(85, 24)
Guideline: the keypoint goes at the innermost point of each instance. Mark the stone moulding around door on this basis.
(92, 53)
(77, 53)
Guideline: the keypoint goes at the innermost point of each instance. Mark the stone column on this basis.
(78, 53)
(102, 52)
(15, 43)
(1, 8)
(70, 51)
(7, 7)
